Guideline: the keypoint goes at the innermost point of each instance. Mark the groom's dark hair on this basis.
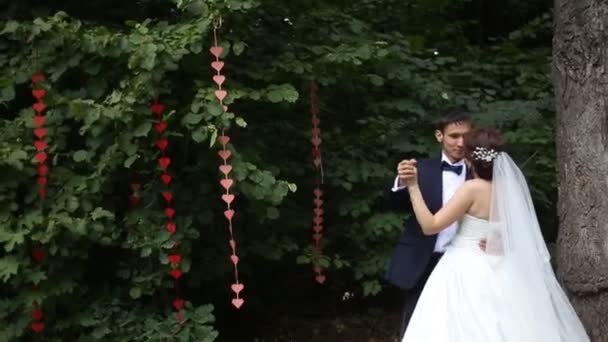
(452, 116)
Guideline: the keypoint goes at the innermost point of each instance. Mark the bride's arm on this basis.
(458, 205)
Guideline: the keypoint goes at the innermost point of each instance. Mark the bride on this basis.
(507, 294)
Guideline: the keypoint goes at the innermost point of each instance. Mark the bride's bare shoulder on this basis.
(479, 184)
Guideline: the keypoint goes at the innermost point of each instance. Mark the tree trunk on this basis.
(580, 76)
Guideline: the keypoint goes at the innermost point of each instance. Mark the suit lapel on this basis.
(436, 186)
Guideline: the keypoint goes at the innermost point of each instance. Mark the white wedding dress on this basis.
(474, 297)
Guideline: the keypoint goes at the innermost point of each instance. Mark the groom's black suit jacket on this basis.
(413, 252)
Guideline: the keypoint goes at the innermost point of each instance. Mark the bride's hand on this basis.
(409, 173)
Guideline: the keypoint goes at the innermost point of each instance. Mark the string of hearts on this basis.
(317, 192)
(38, 253)
(225, 168)
(164, 161)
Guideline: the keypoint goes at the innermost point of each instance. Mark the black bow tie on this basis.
(457, 169)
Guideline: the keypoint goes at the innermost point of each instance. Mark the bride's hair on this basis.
(482, 146)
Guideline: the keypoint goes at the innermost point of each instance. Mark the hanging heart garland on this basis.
(317, 192)
(164, 161)
(225, 168)
(38, 253)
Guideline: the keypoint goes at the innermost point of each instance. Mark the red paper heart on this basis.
(170, 212)
(42, 180)
(225, 169)
(168, 196)
(320, 279)
(232, 244)
(228, 198)
(316, 152)
(176, 273)
(237, 288)
(317, 192)
(219, 79)
(37, 78)
(216, 51)
(37, 327)
(217, 65)
(316, 141)
(40, 132)
(38, 254)
(160, 127)
(39, 93)
(39, 120)
(178, 304)
(318, 202)
(134, 200)
(318, 211)
(40, 145)
(164, 162)
(221, 94)
(315, 110)
(317, 220)
(40, 157)
(316, 237)
(235, 259)
(174, 259)
(39, 107)
(238, 302)
(226, 183)
(157, 108)
(318, 228)
(42, 192)
(43, 170)
(171, 227)
(229, 214)
(224, 154)
(37, 315)
(165, 178)
(316, 121)
(223, 139)
(162, 144)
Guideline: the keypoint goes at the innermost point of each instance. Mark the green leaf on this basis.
(193, 119)
(272, 213)
(135, 292)
(8, 267)
(80, 155)
(240, 122)
(100, 213)
(292, 187)
(238, 48)
(199, 135)
(142, 130)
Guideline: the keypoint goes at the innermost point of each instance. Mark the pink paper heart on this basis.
(316, 141)
(226, 183)
(216, 51)
(219, 79)
(316, 237)
(232, 244)
(221, 94)
(317, 220)
(165, 178)
(162, 144)
(317, 192)
(238, 302)
(223, 139)
(40, 132)
(170, 212)
(40, 145)
(217, 65)
(316, 131)
(317, 162)
(229, 214)
(224, 154)
(171, 227)
(39, 107)
(315, 121)
(318, 211)
(320, 279)
(228, 198)
(318, 202)
(237, 288)
(225, 169)
(317, 229)
(234, 258)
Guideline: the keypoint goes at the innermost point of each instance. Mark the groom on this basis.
(416, 254)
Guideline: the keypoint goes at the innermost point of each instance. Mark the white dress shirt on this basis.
(451, 183)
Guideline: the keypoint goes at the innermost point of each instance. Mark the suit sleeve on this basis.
(397, 198)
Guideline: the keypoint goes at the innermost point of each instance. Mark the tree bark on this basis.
(580, 76)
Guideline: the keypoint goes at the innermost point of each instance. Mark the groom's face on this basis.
(452, 139)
